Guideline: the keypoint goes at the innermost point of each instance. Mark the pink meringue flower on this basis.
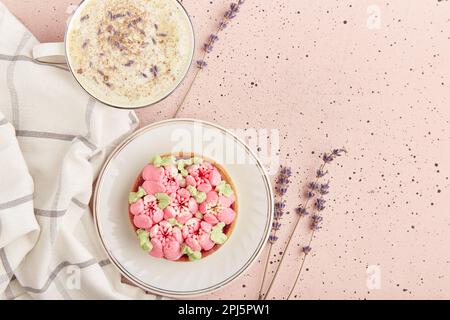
(146, 212)
(217, 208)
(166, 240)
(204, 173)
(196, 235)
(182, 207)
(170, 180)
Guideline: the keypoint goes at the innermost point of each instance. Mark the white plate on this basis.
(181, 279)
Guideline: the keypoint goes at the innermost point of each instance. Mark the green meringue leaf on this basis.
(192, 255)
(217, 235)
(159, 161)
(199, 196)
(196, 160)
(144, 240)
(135, 196)
(224, 188)
(163, 200)
(192, 190)
(174, 222)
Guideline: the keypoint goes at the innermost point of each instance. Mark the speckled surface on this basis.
(374, 79)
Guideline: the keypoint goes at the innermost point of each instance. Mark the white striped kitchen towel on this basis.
(53, 140)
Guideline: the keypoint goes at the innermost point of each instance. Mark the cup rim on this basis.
(139, 106)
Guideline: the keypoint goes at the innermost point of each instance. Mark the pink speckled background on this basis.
(323, 76)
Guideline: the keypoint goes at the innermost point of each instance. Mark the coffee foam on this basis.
(130, 53)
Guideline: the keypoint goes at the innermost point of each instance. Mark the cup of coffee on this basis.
(125, 53)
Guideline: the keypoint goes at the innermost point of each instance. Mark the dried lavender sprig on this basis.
(326, 158)
(316, 219)
(201, 63)
(230, 14)
(281, 186)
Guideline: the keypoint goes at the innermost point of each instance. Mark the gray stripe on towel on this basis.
(44, 135)
(79, 203)
(54, 136)
(16, 202)
(5, 262)
(49, 213)
(10, 71)
(58, 269)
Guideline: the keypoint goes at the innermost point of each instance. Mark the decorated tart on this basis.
(182, 208)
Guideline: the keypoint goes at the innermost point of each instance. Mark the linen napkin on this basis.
(53, 141)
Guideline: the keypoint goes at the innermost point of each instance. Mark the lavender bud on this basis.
(320, 204)
(315, 222)
(222, 25)
(277, 214)
(334, 153)
(313, 186)
(283, 180)
(327, 158)
(241, 2)
(324, 188)
(309, 194)
(207, 47)
(276, 226)
(338, 152)
(201, 64)
(280, 205)
(230, 15)
(281, 190)
(234, 7)
(154, 70)
(306, 249)
(286, 171)
(320, 173)
(272, 239)
(301, 211)
(213, 38)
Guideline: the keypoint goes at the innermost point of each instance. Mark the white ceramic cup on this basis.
(57, 53)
